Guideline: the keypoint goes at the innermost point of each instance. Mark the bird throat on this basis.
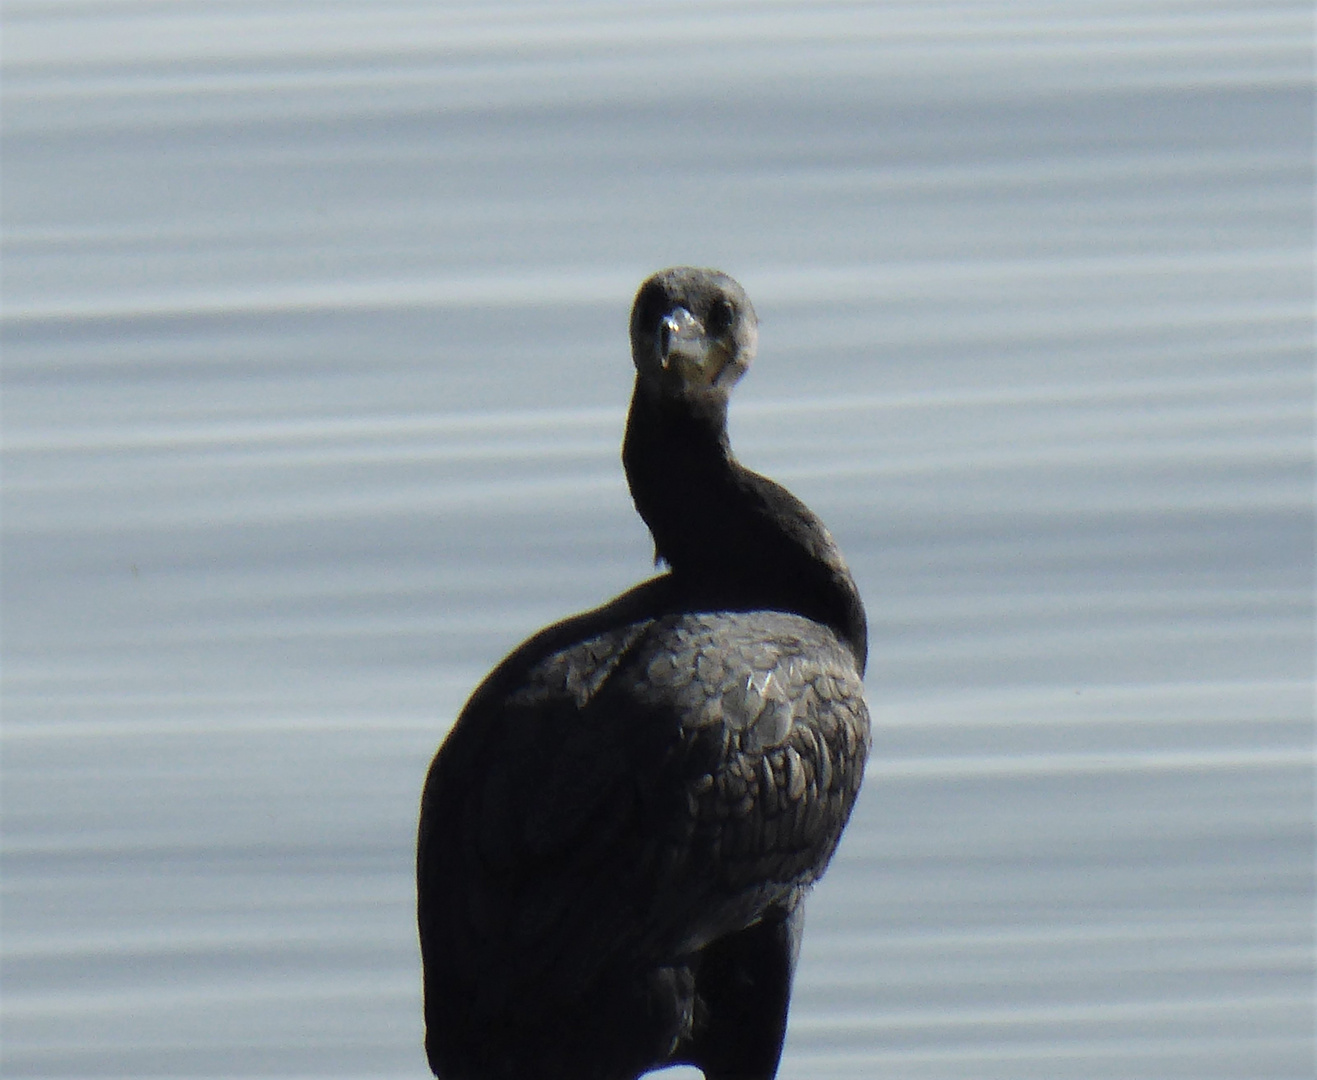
(733, 539)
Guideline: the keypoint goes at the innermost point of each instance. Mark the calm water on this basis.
(315, 374)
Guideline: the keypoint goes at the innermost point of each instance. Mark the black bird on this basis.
(617, 835)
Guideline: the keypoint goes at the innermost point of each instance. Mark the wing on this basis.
(629, 798)
(774, 738)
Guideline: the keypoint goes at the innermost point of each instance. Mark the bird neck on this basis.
(735, 540)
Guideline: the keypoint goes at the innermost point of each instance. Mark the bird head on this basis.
(693, 333)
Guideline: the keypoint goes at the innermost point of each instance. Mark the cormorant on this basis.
(618, 833)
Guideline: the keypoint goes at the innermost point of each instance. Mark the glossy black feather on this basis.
(617, 834)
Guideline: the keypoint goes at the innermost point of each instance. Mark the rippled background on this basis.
(314, 380)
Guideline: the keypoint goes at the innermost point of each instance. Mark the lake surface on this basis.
(314, 380)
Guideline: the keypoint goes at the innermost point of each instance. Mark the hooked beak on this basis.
(685, 347)
(681, 339)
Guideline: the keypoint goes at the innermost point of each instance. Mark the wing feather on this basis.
(642, 792)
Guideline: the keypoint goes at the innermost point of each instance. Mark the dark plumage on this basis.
(618, 833)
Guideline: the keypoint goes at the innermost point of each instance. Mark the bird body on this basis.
(617, 834)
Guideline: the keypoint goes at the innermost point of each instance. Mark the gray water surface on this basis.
(314, 380)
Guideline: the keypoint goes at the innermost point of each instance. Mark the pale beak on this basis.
(682, 340)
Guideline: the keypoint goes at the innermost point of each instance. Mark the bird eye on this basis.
(720, 318)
